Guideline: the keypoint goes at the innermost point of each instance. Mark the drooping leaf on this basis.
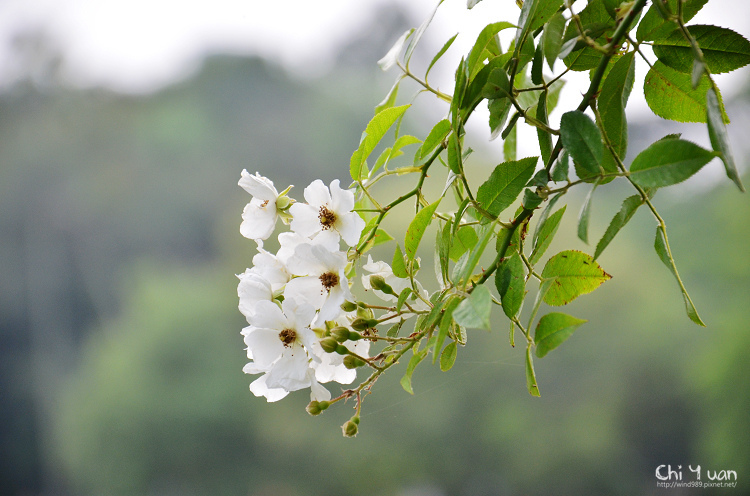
(390, 58)
(668, 162)
(443, 244)
(554, 329)
(510, 137)
(474, 311)
(583, 216)
(534, 14)
(417, 357)
(560, 169)
(611, 103)
(466, 238)
(546, 231)
(486, 36)
(717, 132)
(510, 281)
(670, 95)
(582, 139)
(448, 356)
(662, 249)
(629, 206)
(573, 273)
(469, 260)
(653, 25)
(530, 374)
(417, 35)
(505, 184)
(545, 138)
(390, 98)
(416, 229)
(374, 132)
(499, 110)
(397, 265)
(446, 321)
(552, 38)
(435, 137)
(723, 49)
(537, 64)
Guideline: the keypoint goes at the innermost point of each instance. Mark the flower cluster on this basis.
(293, 299)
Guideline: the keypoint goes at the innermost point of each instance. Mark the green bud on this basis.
(364, 313)
(313, 408)
(350, 428)
(355, 419)
(329, 344)
(377, 282)
(283, 202)
(342, 350)
(360, 324)
(352, 362)
(348, 306)
(341, 334)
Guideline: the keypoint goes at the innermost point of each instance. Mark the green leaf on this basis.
(445, 323)
(668, 162)
(545, 138)
(416, 229)
(505, 184)
(440, 54)
(629, 206)
(553, 330)
(374, 132)
(583, 217)
(670, 95)
(717, 132)
(653, 25)
(537, 64)
(448, 356)
(470, 259)
(436, 136)
(510, 281)
(474, 311)
(417, 36)
(390, 58)
(443, 245)
(611, 103)
(499, 110)
(381, 236)
(454, 154)
(530, 375)
(390, 98)
(552, 38)
(397, 265)
(560, 170)
(466, 238)
(665, 255)
(534, 14)
(723, 49)
(573, 273)
(510, 137)
(413, 362)
(582, 139)
(471, 3)
(486, 36)
(546, 231)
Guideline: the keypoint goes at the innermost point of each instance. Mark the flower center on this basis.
(288, 337)
(329, 280)
(264, 204)
(326, 217)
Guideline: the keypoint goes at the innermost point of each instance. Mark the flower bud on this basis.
(340, 334)
(329, 344)
(313, 408)
(283, 202)
(342, 350)
(378, 282)
(348, 306)
(350, 428)
(360, 324)
(352, 362)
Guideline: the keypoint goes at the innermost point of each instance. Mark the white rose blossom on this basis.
(259, 216)
(252, 289)
(328, 213)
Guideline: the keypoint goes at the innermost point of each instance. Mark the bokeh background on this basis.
(123, 131)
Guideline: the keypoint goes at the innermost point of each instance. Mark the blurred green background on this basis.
(120, 353)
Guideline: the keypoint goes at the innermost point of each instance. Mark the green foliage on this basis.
(723, 49)
(668, 162)
(505, 184)
(573, 273)
(553, 330)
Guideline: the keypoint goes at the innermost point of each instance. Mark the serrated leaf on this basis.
(545, 138)
(653, 25)
(668, 162)
(717, 132)
(723, 49)
(499, 109)
(534, 14)
(583, 217)
(413, 362)
(546, 232)
(552, 38)
(611, 103)
(510, 281)
(435, 137)
(573, 273)
(442, 51)
(390, 98)
(486, 36)
(454, 154)
(474, 311)
(505, 184)
(446, 322)
(582, 139)
(466, 238)
(531, 384)
(374, 132)
(448, 356)
(660, 245)
(397, 265)
(670, 95)
(510, 137)
(560, 169)
(554, 329)
(629, 206)
(470, 259)
(416, 229)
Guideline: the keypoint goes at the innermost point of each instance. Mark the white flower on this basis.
(327, 214)
(259, 216)
(289, 241)
(252, 289)
(398, 284)
(271, 268)
(278, 342)
(322, 282)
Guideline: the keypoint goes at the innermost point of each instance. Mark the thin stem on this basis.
(424, 84)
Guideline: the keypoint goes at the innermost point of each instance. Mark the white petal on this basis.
(299, 314)
(268, 315)
(318, 392)
(350, 226)
(306, 289)
(305, 219)
(307, 261)
(342, 200)
(317, 194)
(290, 372)
(259, 388)
(252, 289)
(259, 186)
(332, 305)
(266, 347)
(258, 222)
